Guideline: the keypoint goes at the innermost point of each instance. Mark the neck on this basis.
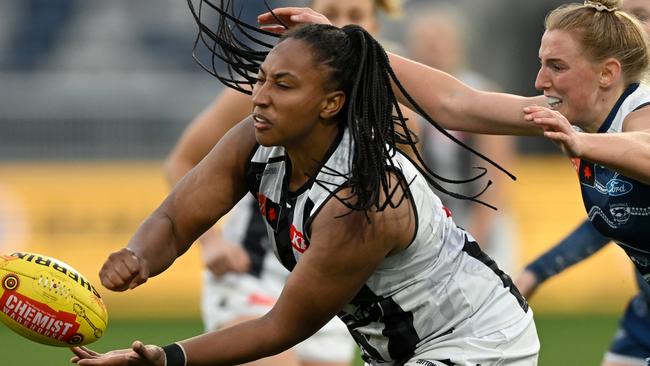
(306, 155)
(604, 104)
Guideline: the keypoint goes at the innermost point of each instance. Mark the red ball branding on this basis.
(48, 301)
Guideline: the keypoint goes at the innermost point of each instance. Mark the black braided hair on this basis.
(359, 67)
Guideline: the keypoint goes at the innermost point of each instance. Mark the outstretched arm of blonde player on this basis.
(627, 152)
(203, 196)
(451, 103)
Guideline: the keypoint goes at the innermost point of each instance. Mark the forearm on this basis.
(584, 241)
(155, 241)
(627, 153)
(457, 106)
(239, 344)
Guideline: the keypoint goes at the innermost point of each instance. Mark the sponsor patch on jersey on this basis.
(621, 212)
(298, 240)
(587, 173)
(269, 209)
(617, 187)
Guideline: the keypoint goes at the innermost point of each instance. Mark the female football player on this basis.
(348, 213)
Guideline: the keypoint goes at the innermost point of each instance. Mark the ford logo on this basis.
(617, 187)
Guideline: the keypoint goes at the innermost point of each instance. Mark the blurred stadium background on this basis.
(93, 94)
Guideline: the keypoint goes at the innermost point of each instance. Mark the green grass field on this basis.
(566, 339)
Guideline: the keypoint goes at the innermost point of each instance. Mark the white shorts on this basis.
(235, 296)
(517, 345)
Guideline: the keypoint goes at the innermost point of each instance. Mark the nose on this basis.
(259, 95)
(542, 82)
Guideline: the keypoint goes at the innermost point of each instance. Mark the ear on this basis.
(610, 72)
(332, 104)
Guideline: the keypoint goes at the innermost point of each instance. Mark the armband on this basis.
(175, 355)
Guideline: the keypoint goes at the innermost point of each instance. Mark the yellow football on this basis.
(49, 302)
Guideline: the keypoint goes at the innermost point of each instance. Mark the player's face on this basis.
(640, 9)
(344, 12)
(289, 96)
(567, 78)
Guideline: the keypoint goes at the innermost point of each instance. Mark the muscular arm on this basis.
(456, 106)
(344, 251)
(453, 104)
(200, 136)
(197, 202)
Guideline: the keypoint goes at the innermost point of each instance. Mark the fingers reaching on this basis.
(290, 16)
(556, 128)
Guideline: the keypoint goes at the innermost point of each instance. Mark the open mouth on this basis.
(553, 102)
(259, 118)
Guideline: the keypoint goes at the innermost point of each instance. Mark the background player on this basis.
(435, 37)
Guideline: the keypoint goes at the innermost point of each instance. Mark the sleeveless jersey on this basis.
(441, 287)
(619, 206)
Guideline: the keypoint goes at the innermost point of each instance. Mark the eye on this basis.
(282, 85)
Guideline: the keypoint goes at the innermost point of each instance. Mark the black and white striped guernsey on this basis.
(440, 288)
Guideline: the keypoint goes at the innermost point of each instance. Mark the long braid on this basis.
(370, 101)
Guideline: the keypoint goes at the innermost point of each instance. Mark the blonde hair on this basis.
(603, 31)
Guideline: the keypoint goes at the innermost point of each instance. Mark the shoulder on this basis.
(391, 225)
(235, 148)
(636, 110)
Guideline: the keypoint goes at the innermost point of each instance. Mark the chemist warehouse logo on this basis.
(40, 318)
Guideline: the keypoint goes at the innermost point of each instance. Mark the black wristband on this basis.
(175, 355)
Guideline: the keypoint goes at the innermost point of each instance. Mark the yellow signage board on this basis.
(80, 212)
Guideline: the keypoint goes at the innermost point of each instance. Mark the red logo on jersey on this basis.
(261, 199)
(298, 240)
(447, 211)
(587, 173)
(585, 170)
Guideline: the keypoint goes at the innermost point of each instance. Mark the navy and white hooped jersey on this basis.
(440, 288)
(619, 206)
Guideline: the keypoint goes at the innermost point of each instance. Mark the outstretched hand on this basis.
(556, 128)
(137, 355)
(123, 270)
(290, 16)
